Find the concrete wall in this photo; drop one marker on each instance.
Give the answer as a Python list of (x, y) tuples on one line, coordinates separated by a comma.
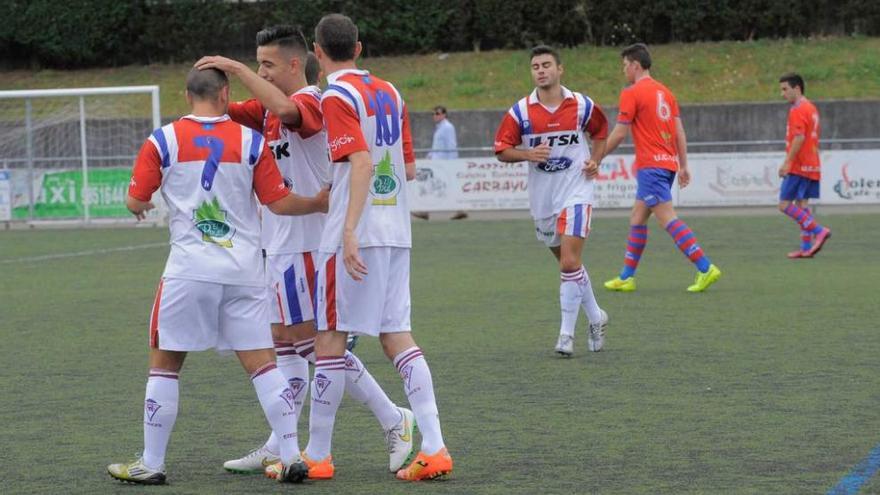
[(476, 128), (717, 122)]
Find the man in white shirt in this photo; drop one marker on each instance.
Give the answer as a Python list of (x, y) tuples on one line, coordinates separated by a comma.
[(443, 147)]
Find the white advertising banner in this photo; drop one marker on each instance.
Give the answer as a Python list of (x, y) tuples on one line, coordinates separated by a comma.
[(850, 177), (5, 195), (732, 179), (717, 179)]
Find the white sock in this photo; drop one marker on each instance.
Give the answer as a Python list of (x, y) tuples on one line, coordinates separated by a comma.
[(591, 307), (419, 390), (570, 295), (296, 370), (160, 413), (278, 405), (328, 387), (362, 387)]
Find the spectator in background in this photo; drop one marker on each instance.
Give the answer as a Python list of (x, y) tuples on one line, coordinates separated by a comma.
[(443, 147), (445, 144)]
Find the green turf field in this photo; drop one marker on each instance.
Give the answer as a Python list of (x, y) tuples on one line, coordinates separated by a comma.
[(768, 383)]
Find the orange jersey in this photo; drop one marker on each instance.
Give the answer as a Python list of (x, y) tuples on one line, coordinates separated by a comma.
[(803, 120), (651, 109)]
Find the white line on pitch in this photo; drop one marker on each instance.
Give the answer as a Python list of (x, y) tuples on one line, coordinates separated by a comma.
[(91, 252)]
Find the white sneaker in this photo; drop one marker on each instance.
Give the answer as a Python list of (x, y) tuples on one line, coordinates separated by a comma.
[(399, 440), (137, 472), (597, 333), (255, 462), (565, 345)]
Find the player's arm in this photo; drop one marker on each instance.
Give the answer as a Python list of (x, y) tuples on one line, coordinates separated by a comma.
[(597, 128), (294, 204), (409, 156), (681, 145), (797, 142), (618, 134), (359, 187), (342, 121), (271, 191), (508, 138), (145, 179), (271, 97)]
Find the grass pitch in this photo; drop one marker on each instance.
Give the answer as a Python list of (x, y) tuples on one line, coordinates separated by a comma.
[(767, 383)]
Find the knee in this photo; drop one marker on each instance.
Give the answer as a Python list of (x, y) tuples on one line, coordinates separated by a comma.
[(783, 206), (569, 263)]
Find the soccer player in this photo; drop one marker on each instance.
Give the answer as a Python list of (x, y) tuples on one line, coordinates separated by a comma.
[(363, 275), (549, 129), (801, 169), (212, 293), (287, 109), (651, 111)]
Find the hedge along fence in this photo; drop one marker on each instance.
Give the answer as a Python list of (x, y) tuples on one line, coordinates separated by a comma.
[(51, 33)]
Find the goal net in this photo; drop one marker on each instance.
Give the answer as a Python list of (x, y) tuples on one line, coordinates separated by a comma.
[(66, 154)]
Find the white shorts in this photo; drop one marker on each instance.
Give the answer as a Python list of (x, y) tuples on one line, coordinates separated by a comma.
[(189, 315), (291, 281), (571, 221), (377, 304)]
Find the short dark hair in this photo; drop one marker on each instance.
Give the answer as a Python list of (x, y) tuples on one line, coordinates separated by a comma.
[(545, 50), (337, 35), (440, 109), (794, 80), (638, 53), (206, 84), (285, 36), (313, 68)]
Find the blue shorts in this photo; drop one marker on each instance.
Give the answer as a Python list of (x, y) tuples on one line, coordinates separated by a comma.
[(654, 185), (796, 187)]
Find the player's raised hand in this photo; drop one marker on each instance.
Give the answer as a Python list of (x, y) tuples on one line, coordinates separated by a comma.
[(351, 257), (540, 153), (217, 62), (684, 177), (591, 169)]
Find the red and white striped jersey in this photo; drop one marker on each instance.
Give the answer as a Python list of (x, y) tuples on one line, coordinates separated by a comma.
[(559, 182), (208, 169), (302, 157), (365, 113)]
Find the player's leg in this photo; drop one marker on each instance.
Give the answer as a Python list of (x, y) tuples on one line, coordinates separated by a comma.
[(635, 246), (686, 241), (276, 399), (793, 196), (433, 459), (242, 311), (180, 321), (160, 413)]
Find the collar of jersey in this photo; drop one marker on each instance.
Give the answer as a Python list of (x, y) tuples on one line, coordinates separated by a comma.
[(206, 119), (336, 75), (533, 98)]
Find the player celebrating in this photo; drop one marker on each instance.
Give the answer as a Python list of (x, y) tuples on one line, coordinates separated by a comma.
[(212, 292), (651, 111), (363, 278), (801, 169), (287, 109), (549, 129)]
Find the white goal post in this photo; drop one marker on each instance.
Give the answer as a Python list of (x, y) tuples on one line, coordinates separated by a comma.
[(53, 141)]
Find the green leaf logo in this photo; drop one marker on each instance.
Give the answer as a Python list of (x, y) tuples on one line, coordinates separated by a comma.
[(210, 220)]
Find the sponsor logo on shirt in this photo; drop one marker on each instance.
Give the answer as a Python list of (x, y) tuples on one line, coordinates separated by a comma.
[(210, 220), (556, 164), (385, 184), (340, 141)]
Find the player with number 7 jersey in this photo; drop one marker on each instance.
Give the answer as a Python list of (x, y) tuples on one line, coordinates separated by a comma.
[(211, 172)]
